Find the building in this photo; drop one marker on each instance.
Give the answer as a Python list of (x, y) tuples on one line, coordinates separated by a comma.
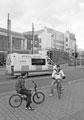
[(29, 42), (57, 39), (49, 39), (17, 39), (69, 42), (45, 39)]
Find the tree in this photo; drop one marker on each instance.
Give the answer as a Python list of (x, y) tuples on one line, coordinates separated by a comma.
[(50, 53)]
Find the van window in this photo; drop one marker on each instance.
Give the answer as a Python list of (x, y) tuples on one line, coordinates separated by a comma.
[(36, 61)]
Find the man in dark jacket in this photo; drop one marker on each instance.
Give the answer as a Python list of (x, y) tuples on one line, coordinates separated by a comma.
[(21, 89)]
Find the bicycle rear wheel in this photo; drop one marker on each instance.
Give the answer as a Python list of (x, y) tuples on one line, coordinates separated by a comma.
[(15, 100), (38, 97), (59, 90)]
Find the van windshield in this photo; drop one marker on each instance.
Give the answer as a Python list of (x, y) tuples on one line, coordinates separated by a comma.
[(36, 61)]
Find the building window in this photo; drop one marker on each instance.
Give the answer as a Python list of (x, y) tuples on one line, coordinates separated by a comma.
[(36, 42), (39, 40), (66, 44), (39, 46), (23, 44), (66, 39), (31, 42)]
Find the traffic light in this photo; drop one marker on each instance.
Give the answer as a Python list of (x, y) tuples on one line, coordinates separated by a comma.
[(75, 54)]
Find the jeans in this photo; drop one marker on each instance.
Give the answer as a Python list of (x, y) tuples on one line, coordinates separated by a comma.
[(52, 86), (28, 94)]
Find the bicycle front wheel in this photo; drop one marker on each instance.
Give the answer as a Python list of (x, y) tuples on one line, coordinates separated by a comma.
[(15, 100), (59, 90), (38, 97)]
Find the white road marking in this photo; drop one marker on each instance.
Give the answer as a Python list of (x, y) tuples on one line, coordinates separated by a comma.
[(12, 92), (27, 79), (75, 81), (48, 86)]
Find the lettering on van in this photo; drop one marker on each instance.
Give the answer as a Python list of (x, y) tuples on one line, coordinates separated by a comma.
[(23, 61), (31, 56), (8, 61)]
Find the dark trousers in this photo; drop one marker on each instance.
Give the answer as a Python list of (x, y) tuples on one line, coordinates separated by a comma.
[(28, 94)]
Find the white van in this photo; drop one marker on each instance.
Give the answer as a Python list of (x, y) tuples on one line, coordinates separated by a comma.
[(18, 63)]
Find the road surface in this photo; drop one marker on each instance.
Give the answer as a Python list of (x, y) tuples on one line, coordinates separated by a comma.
[(7, 83)]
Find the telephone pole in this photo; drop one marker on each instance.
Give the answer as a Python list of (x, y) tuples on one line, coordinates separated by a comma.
[(9, 34), (32, 38), (75, 55)]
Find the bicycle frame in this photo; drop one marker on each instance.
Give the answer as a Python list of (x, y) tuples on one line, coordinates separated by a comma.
[(35, 91), (35, 88)]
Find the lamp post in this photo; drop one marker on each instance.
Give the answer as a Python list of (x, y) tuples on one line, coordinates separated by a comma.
[(9, 34), (75, 54), (33, 38)]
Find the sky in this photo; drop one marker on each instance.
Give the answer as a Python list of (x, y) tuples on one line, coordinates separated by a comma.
[(61, 15)]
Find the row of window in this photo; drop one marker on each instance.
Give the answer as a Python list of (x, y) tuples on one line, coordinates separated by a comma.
[(39, 47), (58, 41), (36, 42)]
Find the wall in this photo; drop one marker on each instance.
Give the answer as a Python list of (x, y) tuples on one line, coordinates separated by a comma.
[(45, 39)]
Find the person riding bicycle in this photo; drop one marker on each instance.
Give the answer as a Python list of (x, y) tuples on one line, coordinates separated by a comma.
[(56, 74), (21, 89)]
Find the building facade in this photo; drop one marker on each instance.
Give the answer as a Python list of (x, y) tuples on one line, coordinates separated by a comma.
[(45, 39), (49, 39), (69, 43), (57, 41), (29, 42), (17, 41)]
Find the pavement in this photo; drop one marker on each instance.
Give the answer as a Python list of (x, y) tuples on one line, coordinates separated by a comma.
[(70, 107)]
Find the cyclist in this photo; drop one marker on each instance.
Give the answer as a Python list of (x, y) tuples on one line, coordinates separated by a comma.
[(21, 89), (57, 74)]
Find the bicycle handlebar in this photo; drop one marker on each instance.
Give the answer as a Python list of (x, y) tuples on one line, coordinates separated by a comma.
[(35, 85)]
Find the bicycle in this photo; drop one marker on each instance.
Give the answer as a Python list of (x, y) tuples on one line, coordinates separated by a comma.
[(16, 100), (59, 88)]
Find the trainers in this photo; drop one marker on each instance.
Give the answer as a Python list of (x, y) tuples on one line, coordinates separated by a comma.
[(51, 95), (29, 108)]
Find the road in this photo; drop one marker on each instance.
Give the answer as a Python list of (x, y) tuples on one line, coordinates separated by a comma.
[(7, 84)]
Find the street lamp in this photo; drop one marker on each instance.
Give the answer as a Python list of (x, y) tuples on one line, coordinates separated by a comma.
[(9, 34), (33, 38), (75, 54)]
